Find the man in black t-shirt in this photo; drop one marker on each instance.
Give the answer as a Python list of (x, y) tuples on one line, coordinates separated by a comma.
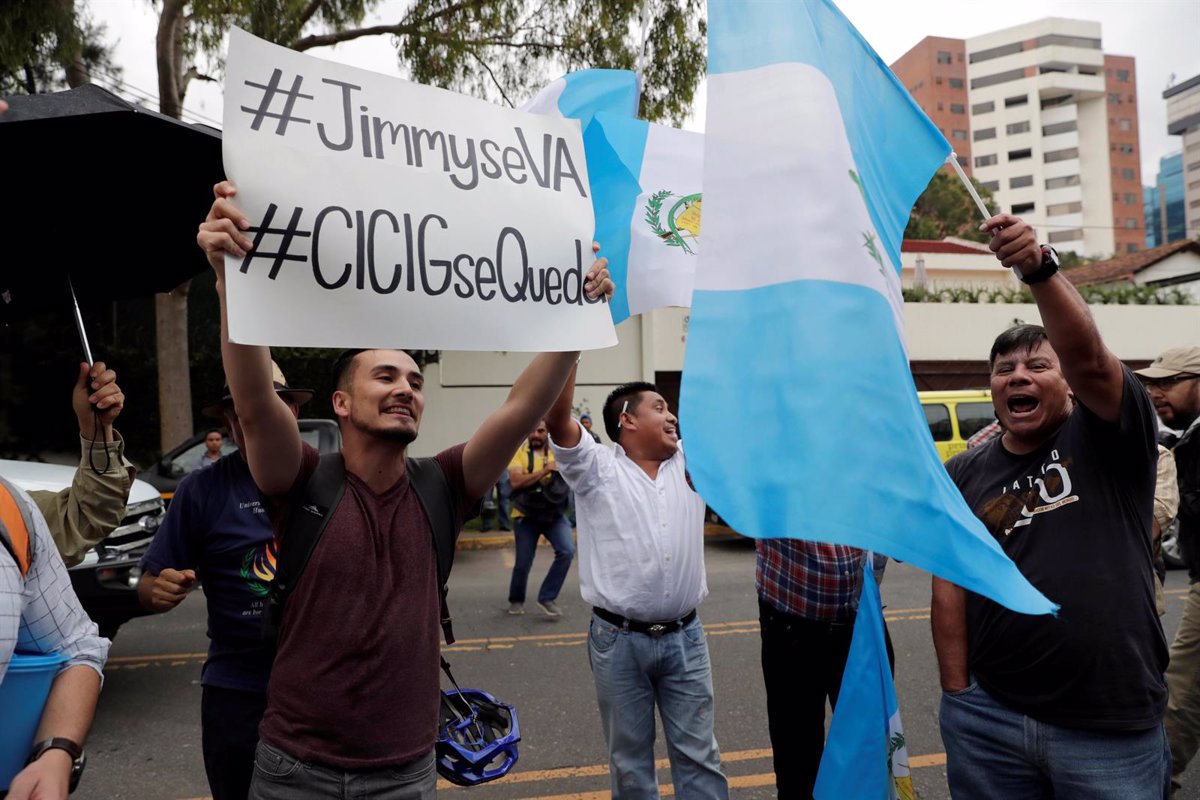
[(1068, 705)]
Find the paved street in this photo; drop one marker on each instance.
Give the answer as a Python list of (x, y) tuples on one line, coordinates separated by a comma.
[(146, 740)]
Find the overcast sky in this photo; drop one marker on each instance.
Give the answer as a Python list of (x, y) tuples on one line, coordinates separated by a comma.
[(1160, 34)]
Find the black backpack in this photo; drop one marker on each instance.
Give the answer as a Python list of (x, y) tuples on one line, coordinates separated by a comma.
[(543, 502), (309, 518)]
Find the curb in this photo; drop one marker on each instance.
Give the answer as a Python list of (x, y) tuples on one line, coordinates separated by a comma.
[(475, 540)]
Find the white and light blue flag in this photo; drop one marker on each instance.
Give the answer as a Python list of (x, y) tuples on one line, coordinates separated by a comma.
[(865, 754), (800, 410), (579, 95), (646, 195)]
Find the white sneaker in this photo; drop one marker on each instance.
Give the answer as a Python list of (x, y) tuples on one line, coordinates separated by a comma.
[(516, 609)]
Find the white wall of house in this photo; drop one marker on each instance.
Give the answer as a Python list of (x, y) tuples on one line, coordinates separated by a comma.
[(465, 387)]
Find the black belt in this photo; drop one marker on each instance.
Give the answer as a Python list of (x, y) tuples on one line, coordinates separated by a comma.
[(654, 629)]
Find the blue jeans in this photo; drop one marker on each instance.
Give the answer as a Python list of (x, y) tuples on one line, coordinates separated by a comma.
[(635, 671), (279, 776), (558, 533), (994, 751)]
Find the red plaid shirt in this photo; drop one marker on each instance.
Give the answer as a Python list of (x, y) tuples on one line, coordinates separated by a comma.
[(809, 579)]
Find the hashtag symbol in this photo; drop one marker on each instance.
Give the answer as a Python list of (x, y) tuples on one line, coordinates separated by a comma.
[(271, 89), (289, 233)]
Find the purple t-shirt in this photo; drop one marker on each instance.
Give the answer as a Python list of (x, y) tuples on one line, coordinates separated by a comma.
[(355, 683), (217, 526)]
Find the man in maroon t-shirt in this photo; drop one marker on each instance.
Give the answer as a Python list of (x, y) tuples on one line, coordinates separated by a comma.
[(353, 700)]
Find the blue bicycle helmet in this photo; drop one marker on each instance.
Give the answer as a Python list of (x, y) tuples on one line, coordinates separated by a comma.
[(477, 737)]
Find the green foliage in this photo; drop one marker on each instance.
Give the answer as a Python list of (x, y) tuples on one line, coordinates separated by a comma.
[(1100, 294), (497, 49), (40, 40), (945, 208)]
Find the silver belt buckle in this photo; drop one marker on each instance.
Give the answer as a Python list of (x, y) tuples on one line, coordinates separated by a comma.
[(656, 630)]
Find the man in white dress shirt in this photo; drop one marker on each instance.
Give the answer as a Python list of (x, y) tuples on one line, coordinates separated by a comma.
[(641, 567)]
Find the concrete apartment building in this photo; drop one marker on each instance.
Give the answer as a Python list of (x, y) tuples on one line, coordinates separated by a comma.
[(938, 71), (1183, 119), (1051, 122)]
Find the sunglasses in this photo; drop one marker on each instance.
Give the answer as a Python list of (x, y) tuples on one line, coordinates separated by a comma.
[(1167, 383)]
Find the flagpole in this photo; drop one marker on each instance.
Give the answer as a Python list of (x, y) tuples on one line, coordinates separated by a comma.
[(952, 160), (642, 51)]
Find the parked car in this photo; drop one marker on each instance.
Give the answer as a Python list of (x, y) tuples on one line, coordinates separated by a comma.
[(955, 416), (321, 434), (106, 579)]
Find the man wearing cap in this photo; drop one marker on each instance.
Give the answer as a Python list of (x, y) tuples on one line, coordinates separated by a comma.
[(1173, 381), (586, 421), (217, 531)]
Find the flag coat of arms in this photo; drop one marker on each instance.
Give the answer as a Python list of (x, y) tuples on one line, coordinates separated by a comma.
[(646, 195), (800, 410)]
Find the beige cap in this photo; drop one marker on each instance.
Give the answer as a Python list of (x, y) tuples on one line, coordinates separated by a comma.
[(1173, 362)]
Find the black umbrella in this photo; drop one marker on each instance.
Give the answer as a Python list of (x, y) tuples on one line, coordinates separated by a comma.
[(104, 199)]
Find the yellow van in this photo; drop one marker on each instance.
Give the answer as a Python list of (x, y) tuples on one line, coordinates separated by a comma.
[(955, 416)]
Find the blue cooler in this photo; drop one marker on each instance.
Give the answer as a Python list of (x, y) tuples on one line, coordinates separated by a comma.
[(23, 696)]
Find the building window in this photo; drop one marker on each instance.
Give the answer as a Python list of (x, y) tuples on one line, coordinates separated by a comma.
[(941, 107), (1017, 127), (1127, 174), (999, 77), (1126, 149), (985, 161), (944, 57), (991, 186), (956, 83), (996, 52), (1131, 248), (1130, 199), (1125, 124), (1061, 155), (1020, 182), (1067, 41), (1017, 155), (1061, 100), (1194, 166), (957, 108), (1059, 183), (1023, 208), (1131, 224), (1114, 97), (990, 133), (1019, 100), (1059, 127), (1058, 209), (962, 160), (983, 108), (1073, 235), (1122, 76), (960, 134)]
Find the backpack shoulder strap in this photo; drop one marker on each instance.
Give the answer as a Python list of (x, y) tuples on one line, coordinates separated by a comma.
[(306, 523), (433, 491), (15, 525)]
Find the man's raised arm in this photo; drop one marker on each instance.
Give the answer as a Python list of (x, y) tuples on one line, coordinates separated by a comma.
[(1092, 371), (272, 437), (564, 431), (491, 448)]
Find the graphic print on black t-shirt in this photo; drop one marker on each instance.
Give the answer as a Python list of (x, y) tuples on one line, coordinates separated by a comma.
[(1040, 493)]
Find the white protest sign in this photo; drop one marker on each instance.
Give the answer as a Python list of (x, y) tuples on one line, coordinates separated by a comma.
[(390, 214)]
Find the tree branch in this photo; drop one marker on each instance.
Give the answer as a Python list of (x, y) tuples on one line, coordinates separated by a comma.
[(492, 75), (402, 29)]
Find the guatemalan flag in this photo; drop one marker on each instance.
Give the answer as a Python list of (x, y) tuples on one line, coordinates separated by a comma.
[(646, 194), (865, 754), (579, 95), (799, 408)]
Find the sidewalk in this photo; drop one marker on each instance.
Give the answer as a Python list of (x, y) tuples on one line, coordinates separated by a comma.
[(495, 540)]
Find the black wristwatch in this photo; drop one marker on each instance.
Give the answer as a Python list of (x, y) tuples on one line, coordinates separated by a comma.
[(1048, 268), (73, 749)]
